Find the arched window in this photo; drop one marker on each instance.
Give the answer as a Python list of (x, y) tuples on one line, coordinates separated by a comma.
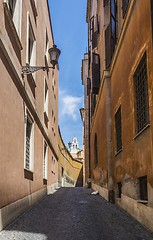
[(96, 151)]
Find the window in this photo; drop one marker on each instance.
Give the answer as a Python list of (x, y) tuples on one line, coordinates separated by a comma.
[(31, 44), (45, 160), (118, 129), (46, 98), (93, 104), (46, 46), (141, 94), (119, 189), (143, 188), (95, 73), (91, 27), (29, 143), (13, 10), (11, 4), (124, 6), (88, 86), (105, 3), (96, 151), (111, 33)]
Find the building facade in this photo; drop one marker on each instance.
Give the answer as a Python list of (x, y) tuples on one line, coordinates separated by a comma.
[(28, 107), (119, 83), (70, 170)]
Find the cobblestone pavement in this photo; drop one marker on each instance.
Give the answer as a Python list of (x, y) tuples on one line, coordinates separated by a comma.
[(74, 214)]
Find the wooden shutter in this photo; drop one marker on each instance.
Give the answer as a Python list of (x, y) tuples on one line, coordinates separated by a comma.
[(91, 27), (94, 40), (89, 57), (108, 46), (88, 86), (93, 103), (95, 73), (98, 29)]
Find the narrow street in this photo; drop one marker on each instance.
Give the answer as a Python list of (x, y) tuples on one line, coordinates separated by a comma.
[(74, 214)]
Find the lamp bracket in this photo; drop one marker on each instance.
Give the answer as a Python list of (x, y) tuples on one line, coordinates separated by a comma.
[(31, 69)]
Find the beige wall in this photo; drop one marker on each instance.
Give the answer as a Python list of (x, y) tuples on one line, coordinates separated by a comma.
[(17, 94)]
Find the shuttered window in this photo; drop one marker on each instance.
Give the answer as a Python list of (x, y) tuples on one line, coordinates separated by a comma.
[(118, 128), (91, 27), (89, 57), (93, 103), (124, 6), (94, 39), (141, 94), (95, 73), (88, 86), (111, 33)]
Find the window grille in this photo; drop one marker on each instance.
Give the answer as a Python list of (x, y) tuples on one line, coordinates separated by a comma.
[(141, 94), (28, 136), (118, 129), (143, 188)]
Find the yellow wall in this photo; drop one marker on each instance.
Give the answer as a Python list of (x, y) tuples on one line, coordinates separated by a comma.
[(72, 169)]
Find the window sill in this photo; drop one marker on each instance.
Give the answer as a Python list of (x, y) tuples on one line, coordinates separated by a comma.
[(28, 174), (137, 135), (13, 28), (118, 152), (145, 202)]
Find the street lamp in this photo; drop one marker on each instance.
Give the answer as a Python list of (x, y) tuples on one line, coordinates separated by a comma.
[(54, 53)]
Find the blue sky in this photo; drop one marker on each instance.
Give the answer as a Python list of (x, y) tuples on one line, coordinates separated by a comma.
[(70, 35)]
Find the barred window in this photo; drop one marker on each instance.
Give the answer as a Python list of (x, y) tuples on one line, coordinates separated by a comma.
[(29, 144), (118, 129), (141, 94)]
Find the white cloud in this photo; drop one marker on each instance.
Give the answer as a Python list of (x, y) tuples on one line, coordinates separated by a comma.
[(69, 105)]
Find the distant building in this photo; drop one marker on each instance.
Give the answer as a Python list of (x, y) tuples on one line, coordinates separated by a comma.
[(74, 147), (70, 170)]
